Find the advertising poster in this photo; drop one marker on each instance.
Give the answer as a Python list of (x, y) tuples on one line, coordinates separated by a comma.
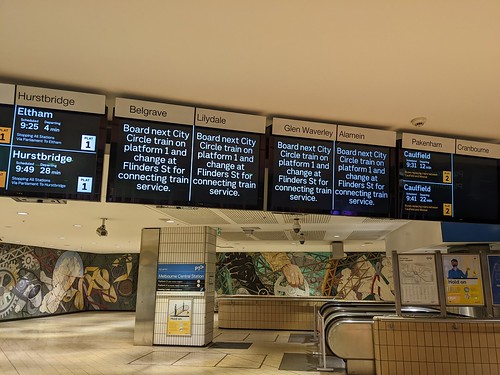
[(494, 268), (463, 280), (418, 280), (179, 317)]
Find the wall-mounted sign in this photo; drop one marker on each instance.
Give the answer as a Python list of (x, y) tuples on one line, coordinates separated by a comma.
[(181, 278), (463, 280)]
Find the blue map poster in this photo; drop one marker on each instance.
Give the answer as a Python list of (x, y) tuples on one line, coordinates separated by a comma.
[(494, 268)]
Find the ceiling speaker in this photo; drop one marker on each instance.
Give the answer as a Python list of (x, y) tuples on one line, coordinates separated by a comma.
[(337, 249)]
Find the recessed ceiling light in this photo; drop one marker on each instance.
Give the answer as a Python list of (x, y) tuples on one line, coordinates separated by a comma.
[(169, 221), (77, 225), (22, 213), (337, 236), (61, 238)]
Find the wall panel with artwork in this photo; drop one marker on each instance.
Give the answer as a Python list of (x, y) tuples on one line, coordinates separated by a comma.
[(357, 276), (36, 281)]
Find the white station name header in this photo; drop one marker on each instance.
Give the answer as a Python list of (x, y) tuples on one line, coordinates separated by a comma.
[(304, 129), (230, 120), (154, 111), (60, 99)]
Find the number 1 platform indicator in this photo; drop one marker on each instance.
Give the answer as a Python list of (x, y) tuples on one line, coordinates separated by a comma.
[(84, 185), (5, 135), (88, 142)]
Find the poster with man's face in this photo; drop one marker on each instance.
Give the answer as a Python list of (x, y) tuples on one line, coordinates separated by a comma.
[(463, 280)]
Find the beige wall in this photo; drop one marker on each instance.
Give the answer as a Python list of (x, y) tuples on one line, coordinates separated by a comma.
[(267, 313), (440, 346)]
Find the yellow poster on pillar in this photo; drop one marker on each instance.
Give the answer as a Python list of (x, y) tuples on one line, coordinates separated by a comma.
[(179, 317), (463, 280)]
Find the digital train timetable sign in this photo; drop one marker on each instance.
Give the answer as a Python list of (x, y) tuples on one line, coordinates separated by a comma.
[(51, 143), (330, 169), (448, 179), (176, 155)]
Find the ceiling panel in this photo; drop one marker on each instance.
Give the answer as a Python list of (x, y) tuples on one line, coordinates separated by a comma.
[(193, 216), (367, 235), (248, 217), (306, 218), (361, 63)]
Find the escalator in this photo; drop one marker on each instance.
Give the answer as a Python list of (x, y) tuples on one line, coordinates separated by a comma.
[(348, 330)]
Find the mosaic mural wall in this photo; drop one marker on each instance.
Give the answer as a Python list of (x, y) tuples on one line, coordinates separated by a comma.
[(36, 281), (357, 276)]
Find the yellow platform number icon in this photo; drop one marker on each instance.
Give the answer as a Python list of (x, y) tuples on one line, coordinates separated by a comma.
[(447, 209), (3, 175), (5, 135), (447, 177)]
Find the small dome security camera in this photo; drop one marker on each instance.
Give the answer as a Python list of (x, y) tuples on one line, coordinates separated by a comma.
[(296, 225), (302, 238)]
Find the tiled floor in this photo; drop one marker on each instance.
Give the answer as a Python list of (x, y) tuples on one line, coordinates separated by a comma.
[(102, 343)]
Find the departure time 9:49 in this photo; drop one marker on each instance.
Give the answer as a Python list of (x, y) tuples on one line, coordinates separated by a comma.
[(31, 169)]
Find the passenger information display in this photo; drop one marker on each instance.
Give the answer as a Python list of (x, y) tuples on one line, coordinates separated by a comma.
[(418, 279), (51, 143), (436, 183), (176, 155), (324, 168)]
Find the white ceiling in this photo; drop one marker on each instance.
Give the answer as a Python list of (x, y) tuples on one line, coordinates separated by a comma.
[(372, 63)]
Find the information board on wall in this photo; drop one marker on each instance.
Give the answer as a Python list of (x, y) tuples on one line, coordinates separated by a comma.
[(438, 184), (325, 168), (176, 155), (463, 280), (494, 270), (181, 278), (51, 143), (418, 279)]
